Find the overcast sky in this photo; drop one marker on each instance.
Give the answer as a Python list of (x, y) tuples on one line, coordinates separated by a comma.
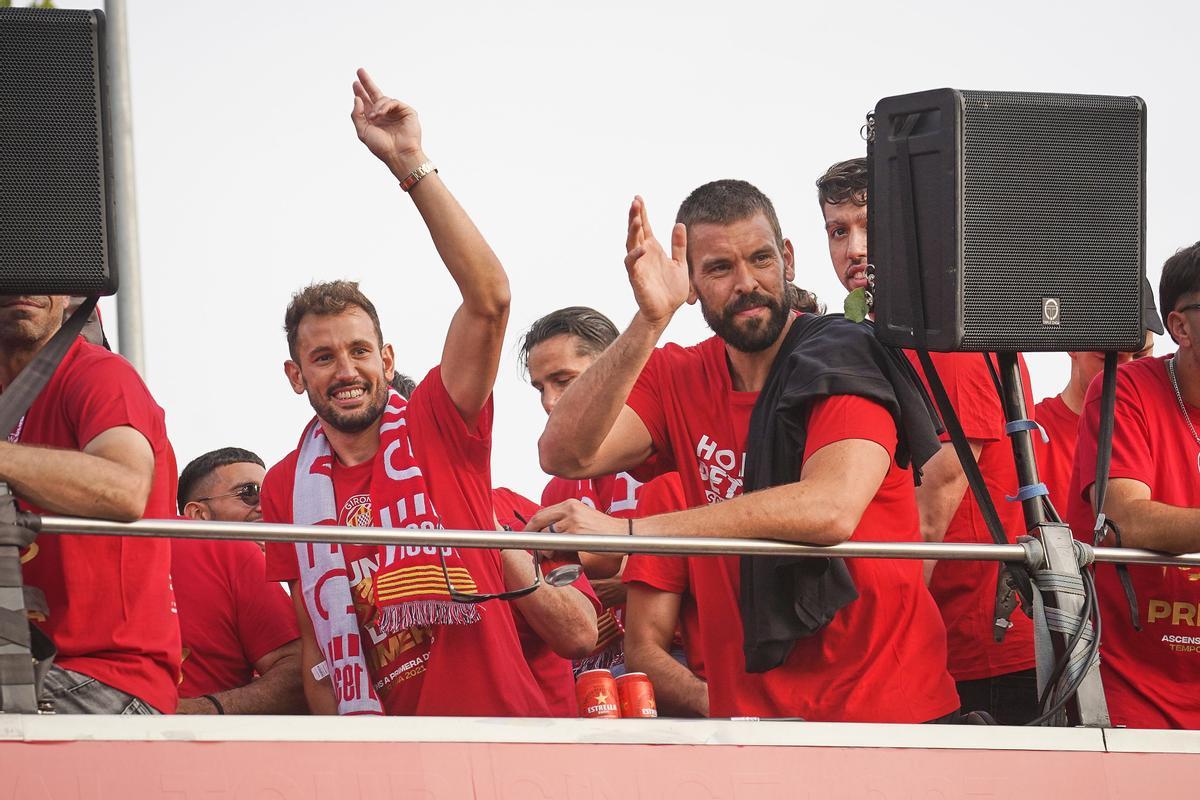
[(544, 119)]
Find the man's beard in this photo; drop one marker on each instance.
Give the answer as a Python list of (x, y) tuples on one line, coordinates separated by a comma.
[(754, 335), (350, 422)]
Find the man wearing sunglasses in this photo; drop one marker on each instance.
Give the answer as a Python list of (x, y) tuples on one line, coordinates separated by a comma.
[(234, 623), (403, 630), (1150, 664)]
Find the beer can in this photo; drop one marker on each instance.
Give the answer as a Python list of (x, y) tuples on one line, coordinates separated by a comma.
[(637, 696), (596, 693)]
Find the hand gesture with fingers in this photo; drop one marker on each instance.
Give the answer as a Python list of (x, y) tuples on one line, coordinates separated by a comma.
[(388, 127), (660, 281)]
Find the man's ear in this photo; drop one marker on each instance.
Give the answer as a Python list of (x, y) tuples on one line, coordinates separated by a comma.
[(194, 510), (295, 378), (389, 362), (789, 261), (1179, 328)]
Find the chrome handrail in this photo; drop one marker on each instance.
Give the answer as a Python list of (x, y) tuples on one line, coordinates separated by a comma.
[(604, 543)]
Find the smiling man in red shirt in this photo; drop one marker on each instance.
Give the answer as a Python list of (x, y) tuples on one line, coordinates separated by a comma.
[(1150, 672), (882, 657), (386, 624)]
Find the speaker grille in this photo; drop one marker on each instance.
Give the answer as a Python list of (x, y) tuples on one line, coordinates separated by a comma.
[(1052, 210), (53, 194)]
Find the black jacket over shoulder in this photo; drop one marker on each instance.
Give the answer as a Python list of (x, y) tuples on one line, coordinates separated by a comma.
[(785, 598)]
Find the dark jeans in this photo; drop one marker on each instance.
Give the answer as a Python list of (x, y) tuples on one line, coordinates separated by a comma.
[(1011, 698), (75, 693)]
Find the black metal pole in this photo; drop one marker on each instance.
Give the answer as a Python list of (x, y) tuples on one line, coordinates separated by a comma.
[(1013, 398)]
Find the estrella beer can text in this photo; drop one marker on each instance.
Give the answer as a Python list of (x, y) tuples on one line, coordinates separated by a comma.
[(596, 692), (637, 696)]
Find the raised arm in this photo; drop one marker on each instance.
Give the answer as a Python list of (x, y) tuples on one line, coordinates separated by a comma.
[(471, 354), (591, 431)]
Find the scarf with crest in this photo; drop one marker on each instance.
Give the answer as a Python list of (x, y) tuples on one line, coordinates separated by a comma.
[(409, 589)]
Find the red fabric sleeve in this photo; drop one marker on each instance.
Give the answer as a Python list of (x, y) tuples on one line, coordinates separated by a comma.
[(662, 495), (114, 396), (464, 447), (1131, 456), (665, 573), (281, 563), (971, 391), (840, 417), (646, 401), (265, 617)]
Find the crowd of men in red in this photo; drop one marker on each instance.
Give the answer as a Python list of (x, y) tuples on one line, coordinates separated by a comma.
[(646, 438)]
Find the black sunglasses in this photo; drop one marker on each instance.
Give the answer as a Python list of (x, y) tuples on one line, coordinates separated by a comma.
[(558, 577), (248, 493)]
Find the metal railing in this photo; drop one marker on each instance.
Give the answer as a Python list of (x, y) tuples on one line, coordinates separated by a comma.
[(603, 543)]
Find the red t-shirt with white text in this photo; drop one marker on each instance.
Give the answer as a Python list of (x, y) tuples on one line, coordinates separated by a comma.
[(882, 658), (615, 495), (446, 670), (554, 674), (230, 615), (965, 591), (1055, 457), (1150, 677), (112, 611)]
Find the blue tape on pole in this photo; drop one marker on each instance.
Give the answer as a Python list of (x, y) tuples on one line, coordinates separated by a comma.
[(1028, 493), (1018, 425)]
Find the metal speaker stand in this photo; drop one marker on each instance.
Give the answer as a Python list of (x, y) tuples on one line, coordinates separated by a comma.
[(1054, 560), (18, 693)]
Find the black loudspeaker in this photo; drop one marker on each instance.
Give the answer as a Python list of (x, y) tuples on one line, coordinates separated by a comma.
[(56, 200), (1029, 218)]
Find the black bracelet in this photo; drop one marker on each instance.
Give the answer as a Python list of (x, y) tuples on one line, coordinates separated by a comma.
[(216, 703), (630, 525)]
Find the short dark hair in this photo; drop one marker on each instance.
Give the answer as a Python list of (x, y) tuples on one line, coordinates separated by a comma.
[(326, 299), (727, 201), (592, 330), (845, 181), (200, 468), (1180, 276), (403, 384)]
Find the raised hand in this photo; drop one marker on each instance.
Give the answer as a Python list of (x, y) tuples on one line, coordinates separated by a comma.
[(389, 128), (660, 282)]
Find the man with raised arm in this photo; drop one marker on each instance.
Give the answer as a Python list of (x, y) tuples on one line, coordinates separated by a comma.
[(93, 444), (1151, 665), (393, 630), (881, 656)]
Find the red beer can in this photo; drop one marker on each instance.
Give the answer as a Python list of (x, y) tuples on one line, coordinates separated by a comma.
[(596, 693), (637, 696)]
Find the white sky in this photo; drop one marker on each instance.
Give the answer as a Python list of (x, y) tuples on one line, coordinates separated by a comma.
[(545, 118)]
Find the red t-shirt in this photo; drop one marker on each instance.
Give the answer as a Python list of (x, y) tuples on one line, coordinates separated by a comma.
[(615, 495), (230, 615), (965, 591), (1150, 677), (663, 495), (882, 658), (446, 670), (553, 673), (1054, 458), (112, 612)]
